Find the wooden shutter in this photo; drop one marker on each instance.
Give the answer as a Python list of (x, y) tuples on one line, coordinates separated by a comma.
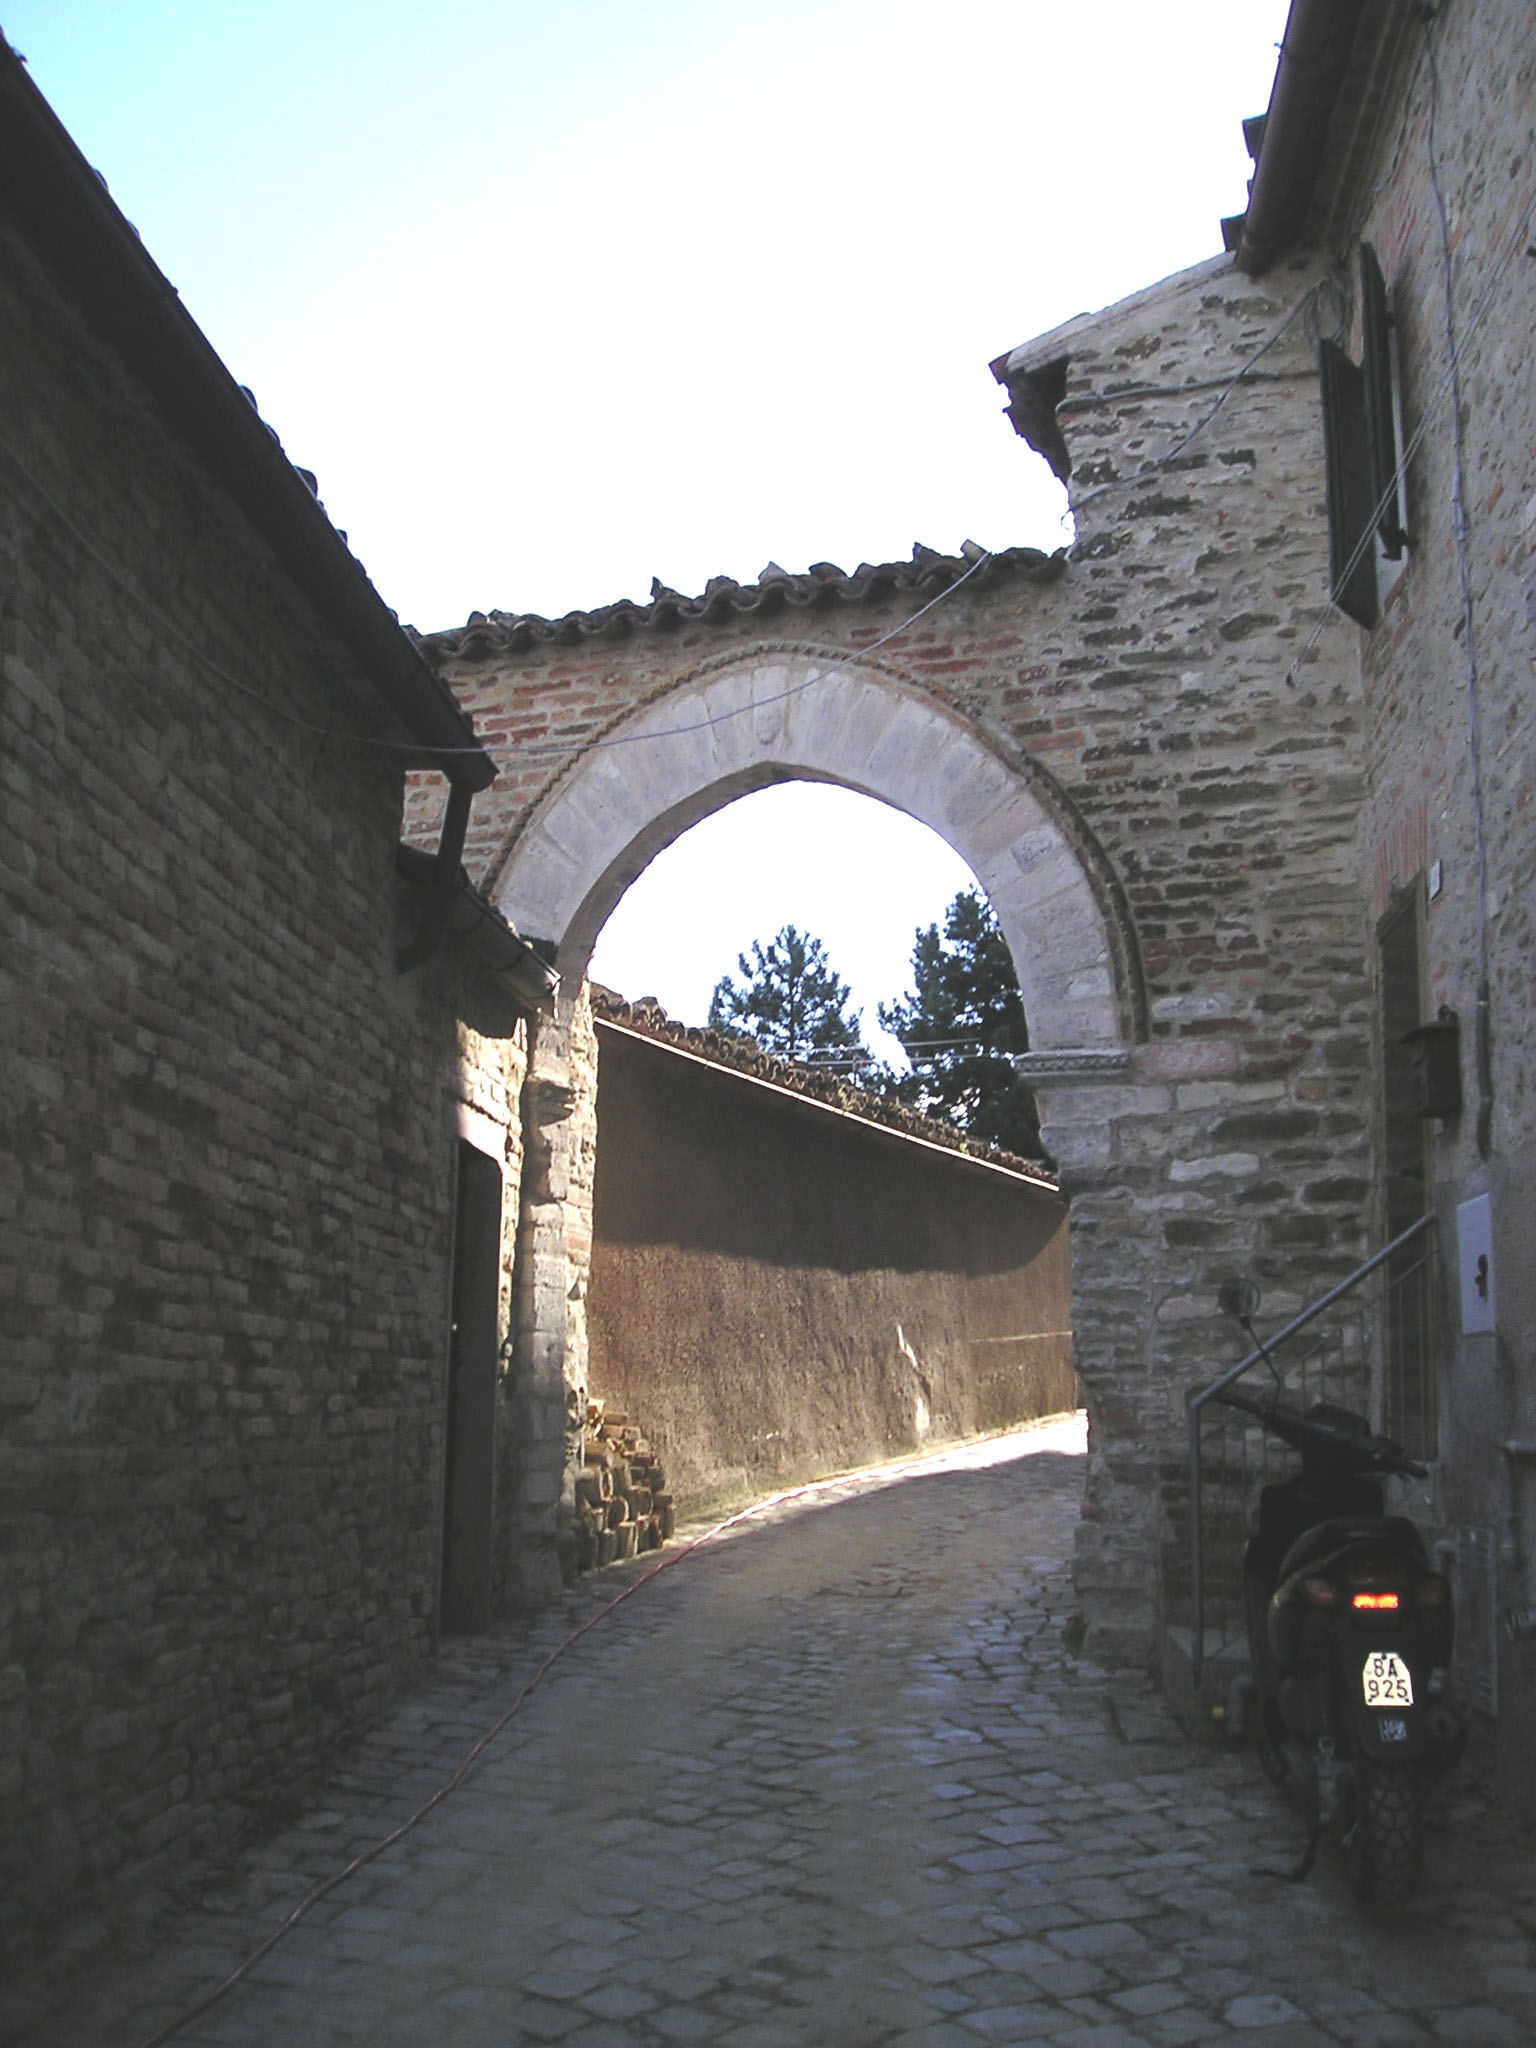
[(1381, 427), (1347, 451)]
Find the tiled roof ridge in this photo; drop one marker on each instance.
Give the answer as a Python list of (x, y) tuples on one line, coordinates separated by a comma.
[(488, 633), (744, 1055)]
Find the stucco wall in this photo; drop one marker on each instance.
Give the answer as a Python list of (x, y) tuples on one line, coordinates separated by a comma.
[(226, 1176), (779, 1290)]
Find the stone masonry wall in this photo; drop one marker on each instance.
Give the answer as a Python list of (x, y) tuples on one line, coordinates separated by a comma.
[(547, 1392), (1149, 683), (226, 1176), (1436, 669)]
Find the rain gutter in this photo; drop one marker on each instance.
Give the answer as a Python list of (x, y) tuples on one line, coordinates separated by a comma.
[(458, 910), (1314, 55)]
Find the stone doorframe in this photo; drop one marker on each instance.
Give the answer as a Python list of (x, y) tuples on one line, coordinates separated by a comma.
[(737, 723)]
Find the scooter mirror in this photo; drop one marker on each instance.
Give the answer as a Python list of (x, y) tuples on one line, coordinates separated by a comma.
[(1238, 1298)]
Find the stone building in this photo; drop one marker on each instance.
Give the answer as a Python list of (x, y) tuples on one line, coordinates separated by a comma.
[(1245, 773), (1392, 206), (254, 1057), (1166, 823), (1400, 146), (295, 1244)]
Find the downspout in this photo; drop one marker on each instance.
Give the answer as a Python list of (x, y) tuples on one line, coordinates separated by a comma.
[(443, 887)]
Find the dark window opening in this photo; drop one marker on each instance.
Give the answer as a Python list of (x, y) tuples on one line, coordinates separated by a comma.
[(1347, 452), (1360, 450), (1380, 404)]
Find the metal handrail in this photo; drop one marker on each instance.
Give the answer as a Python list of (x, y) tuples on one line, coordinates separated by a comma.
[(1197, 1397)]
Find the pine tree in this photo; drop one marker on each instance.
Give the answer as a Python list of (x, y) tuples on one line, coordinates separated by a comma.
[(962, 1019), (788, 999)]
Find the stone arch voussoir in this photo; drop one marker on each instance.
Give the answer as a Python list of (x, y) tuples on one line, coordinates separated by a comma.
[(776, 713)]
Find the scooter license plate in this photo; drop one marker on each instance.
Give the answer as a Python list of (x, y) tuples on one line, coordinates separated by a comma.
[(1386, 1680)]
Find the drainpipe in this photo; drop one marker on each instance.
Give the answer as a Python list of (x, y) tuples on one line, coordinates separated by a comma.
[(444, 885), (1517, 1451)]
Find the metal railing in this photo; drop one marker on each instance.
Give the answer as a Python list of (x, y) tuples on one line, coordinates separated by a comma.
[(1376, 1356)]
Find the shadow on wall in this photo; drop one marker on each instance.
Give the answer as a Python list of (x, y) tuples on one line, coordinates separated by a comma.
[(779, 1292)]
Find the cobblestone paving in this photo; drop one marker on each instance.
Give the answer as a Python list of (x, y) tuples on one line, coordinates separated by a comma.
[(836, 1779)]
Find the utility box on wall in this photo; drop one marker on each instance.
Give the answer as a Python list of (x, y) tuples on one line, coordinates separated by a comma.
[(1474, 1252), (1434, 1053)]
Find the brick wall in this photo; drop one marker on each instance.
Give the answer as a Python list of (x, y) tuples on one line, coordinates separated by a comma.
[(227, 1170)]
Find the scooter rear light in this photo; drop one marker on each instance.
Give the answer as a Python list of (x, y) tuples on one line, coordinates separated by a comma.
[(1376, 1603), (1317, 1592)]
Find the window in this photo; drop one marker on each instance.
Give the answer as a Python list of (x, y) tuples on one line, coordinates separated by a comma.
[(1360, 443)]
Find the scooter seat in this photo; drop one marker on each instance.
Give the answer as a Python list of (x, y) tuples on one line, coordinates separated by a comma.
[(1325, 1540)]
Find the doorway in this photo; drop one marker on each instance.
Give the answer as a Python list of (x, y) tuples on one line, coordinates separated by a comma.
[(469, 1475), (1409, 1394)]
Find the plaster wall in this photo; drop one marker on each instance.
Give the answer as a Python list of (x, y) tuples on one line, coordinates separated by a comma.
[(779, 1291)]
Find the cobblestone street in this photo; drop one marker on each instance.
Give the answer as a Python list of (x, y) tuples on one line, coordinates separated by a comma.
[(836, 1778)]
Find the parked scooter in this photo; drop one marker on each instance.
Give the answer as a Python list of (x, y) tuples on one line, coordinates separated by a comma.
[(1349, 1632)]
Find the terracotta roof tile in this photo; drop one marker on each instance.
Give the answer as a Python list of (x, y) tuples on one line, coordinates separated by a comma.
[(744, 1055), (487, 634)]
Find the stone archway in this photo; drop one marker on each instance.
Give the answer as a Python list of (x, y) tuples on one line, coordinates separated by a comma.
[(744, 721), (1151, 724), (737, 723)]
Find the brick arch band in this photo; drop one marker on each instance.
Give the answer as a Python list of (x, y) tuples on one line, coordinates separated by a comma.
[(744, 722)]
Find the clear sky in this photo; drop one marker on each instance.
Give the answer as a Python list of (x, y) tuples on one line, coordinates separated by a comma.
[(556, 297)]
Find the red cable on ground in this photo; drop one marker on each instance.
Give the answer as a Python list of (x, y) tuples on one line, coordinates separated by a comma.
[(478, 1746)]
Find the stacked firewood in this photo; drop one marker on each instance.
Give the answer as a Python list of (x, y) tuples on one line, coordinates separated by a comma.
[(622, 1506)]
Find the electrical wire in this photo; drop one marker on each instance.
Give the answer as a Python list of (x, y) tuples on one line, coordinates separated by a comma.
[(1240, 376), (482, 1742), (562, 748), (1390, 172), (418, 749), (539, 750), (1442, 390), (1468, 637), (1225, 390)]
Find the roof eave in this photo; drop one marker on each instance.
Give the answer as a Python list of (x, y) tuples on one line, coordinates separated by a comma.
[(63, 209), (1314, 56)]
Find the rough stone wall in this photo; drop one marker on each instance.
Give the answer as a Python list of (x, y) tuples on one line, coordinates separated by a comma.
[(1463, 108), (779, 1291), (1150, 685), (226, 1177), (547, 1388), (1229, 776)]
